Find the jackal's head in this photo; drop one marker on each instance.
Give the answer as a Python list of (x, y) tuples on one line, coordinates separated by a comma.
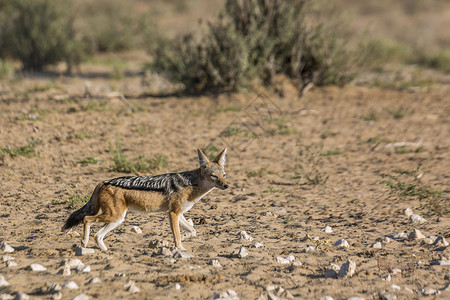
[(213, 172)]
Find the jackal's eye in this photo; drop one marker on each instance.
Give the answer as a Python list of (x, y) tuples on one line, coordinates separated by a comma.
[(214, 176), (224, 175)]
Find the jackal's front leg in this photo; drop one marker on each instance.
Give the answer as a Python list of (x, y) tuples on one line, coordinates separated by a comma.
[(175, 226), (186, 226)]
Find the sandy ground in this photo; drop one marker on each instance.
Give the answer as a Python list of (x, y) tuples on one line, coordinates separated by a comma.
[(351, 132)]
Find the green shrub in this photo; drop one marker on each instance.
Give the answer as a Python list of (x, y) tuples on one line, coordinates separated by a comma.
[(39, 33), (256, 40)]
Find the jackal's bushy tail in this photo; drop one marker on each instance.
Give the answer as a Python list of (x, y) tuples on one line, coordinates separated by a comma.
[(87, 210)]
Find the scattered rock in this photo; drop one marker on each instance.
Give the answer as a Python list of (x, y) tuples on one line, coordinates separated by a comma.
[(429, 240), (136, 229), (215, 263), (36, 268), (131, 287), (409, 290), (355, 298), (441, 262), (415, 235), (3, 281), (296, 263), (278, 211), (396, 271), (327, 229), (258, 245), (6, 258), (395, 287), (94, 280), (7, 248), (386, 240), (157, 244), (86, 269), (389, 296), (120, 275), (333, 272), (21, 296), (74, 263), (81, 251), (416, 219), (440, 241), (347, 269), (342, 243), (282, 260), (326, 298), (6, 297), (11, 264), (65, 271), (182, 254), (309, 248), (71, 285), (227, 295), (387, 277), (398, 235), (377, 245), (81, 297), (57, 296), (245, 236), (407, 212), (242, 252), (277, 293), (429, 292), (165, 251)]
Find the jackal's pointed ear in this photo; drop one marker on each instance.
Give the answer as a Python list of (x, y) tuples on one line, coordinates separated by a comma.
[(220, 159), (202, 158)]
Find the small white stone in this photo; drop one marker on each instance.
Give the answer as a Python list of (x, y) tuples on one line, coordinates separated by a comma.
[(290, 257), (215, 263), (94, 280), (440, 241), (36, 268), (81, 251), (355, 298), (71, 285), (398, 235), (3, 281), (81, 297), (282, 260), (407, 212), (415, 235), (326, 298), (136, 229), (6, 297), (11, 264), (386, 239), (387, 277), (327, 229), (377, 245), (429, 292), (416, 219), (441, 262), (296, 263), (54, 287), (74, 263), (6, 258), (21, 296), (86, 269), (258, 245), (389, 296), (347, 269), (165, 251), (342, 243), (227, 295), (309, 248), (242, 252), (177, 286), (396, 271), (66, 270), (7, 248), (245, 236), (182, 254), (395, 287), (409, 290), (429, 240)]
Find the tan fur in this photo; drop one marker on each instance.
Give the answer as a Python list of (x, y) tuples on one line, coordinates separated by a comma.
[(111, 203)]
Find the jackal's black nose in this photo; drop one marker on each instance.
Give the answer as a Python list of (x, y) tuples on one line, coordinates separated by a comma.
[(225, 186)]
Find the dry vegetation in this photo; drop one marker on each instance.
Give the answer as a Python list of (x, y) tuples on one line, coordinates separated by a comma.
[(352, 158)]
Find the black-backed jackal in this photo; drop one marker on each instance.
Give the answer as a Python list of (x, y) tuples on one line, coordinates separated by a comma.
[(174, 193)]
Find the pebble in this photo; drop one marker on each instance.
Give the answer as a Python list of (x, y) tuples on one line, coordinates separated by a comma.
[(377, 245), (386, 240), (441, 262), (245, 236), (342, 243), (398, 235), (429, 240), (395, 287), (258, 245), (429, 292), (94, 280), (177, 286), (158, 243), (282, 260), (309, 248), (86, 269), (6, 258), (328, 229), (355, 298), (330, 273), (389, 296), (57, 296), (407, 212), (21, 296), (215, 263), (278, 210), (36, 268), (74, 263), (6, 297), (3, 281), (136, 229), (415, 235), (11, 264), (81, 251), (120, 275), (71, 285), (81, 297), (326, 298), (416, 219), (131, 287), (440, 241), (165, 251), (66, 270), (242, 252), (387, 277), (7, 248), (182, 254), (396, 271), (409, 290), (227, 295), (347, 269)]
